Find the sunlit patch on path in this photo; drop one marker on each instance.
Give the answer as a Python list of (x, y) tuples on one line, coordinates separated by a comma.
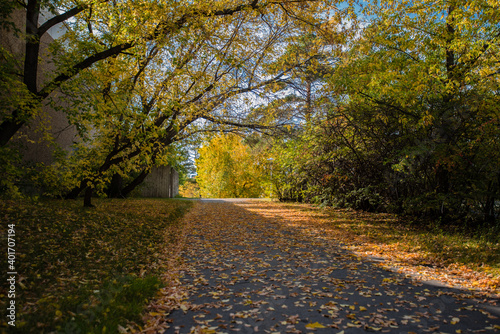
[(249, 267)]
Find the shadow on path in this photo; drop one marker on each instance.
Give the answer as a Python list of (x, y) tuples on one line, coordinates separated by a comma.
[(246, 273)]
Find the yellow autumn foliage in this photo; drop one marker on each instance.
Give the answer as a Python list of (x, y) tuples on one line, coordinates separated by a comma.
[(226, 168)]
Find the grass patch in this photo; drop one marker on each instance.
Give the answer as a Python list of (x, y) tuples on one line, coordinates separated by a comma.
[(436, 244), (88, 270)]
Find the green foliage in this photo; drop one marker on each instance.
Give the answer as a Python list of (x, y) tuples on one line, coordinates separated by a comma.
[(288, 178), (89, 269), (13, 91), (10, 160), (177, 156), (6, 9)]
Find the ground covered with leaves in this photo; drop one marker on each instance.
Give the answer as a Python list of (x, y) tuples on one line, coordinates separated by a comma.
[(257, 266), (89, 270), (243, 266)]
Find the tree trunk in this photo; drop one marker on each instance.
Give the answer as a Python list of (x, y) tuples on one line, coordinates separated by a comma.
[(87, 199), (450, 54), (10, 126), (489, 206), (76, 191), (489, 209), (442, 173), (73, 194), (442, 179), (132, 185), (32, 46), (115, 188), (308, 101), (8, 129)]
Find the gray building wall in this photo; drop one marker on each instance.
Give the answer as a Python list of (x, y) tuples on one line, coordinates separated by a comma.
[(32, 135), (162, 182)]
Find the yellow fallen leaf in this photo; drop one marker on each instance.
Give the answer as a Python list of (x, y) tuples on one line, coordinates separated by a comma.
[(154, 314), (208, 331), (351, 325), (362, 308), (315, 325), (375, 329), (455, 321)]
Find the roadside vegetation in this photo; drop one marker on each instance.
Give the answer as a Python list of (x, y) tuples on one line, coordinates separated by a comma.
[(89, 270)]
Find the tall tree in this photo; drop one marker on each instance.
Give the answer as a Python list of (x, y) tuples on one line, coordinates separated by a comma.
[(413, 119), (140, 105)]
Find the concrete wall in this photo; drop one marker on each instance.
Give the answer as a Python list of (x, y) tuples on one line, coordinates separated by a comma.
[(32, 136), (162, 182)]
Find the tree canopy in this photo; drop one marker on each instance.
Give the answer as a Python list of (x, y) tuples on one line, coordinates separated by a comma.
[(413, 112), (139, 77)]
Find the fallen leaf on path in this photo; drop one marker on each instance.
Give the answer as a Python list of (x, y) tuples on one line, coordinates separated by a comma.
[(315, 325)]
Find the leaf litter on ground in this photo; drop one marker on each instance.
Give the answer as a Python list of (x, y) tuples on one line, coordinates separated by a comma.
[(89, 270)]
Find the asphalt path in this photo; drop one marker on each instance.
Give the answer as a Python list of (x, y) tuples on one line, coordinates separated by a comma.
[(245, 273)]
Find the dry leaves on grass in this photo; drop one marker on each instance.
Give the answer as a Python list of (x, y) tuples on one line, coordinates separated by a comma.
[(173, 295), (75, 263)]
